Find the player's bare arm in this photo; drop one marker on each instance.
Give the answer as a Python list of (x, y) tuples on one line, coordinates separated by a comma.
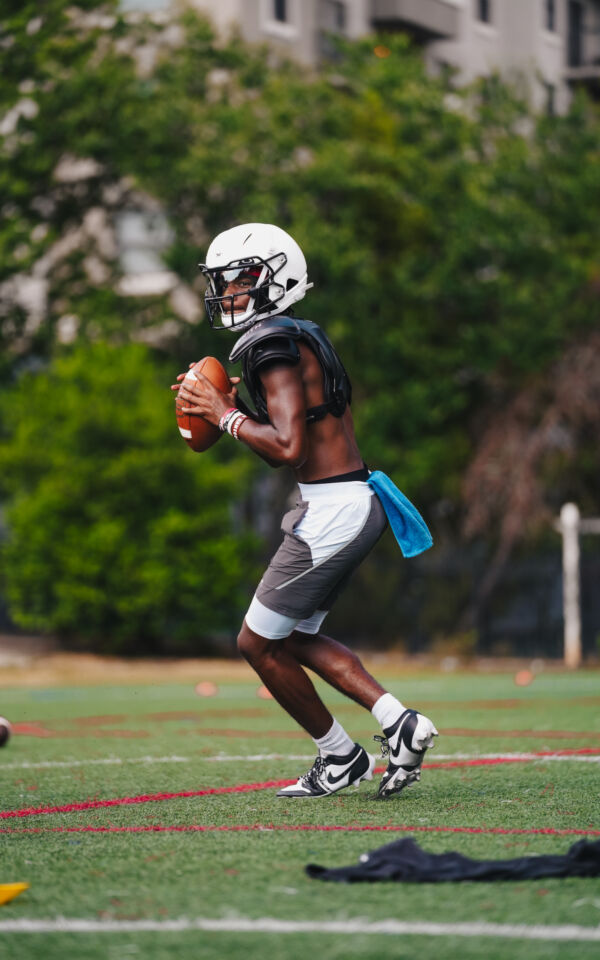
[(284, 439)]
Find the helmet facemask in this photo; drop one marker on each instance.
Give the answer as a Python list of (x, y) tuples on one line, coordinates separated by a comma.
[(264, 292)]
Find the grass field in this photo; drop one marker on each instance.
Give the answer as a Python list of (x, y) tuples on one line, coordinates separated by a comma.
[(181, 851)]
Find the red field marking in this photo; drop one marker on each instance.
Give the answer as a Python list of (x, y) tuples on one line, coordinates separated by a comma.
[(101, 721), (270, 784), (492, 761), (31, 730), (80, 730), (511, 734), (293, 828), (199, 714), (57, 728), (90, 732), (41, 729), (76, 733), (142, 798)]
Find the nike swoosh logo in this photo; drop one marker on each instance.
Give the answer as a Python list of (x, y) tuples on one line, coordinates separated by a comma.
[(347, 768), (401, 721)]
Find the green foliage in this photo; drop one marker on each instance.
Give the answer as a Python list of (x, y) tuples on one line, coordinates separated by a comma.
[(452, 237), (119, 535)]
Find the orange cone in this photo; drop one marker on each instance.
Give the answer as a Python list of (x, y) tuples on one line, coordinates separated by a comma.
[(523, 678), (8, 891)]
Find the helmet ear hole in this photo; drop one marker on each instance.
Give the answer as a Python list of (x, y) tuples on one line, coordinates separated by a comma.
[(291, 283)]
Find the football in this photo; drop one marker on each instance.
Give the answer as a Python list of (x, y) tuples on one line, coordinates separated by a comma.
[(5, 731), (197, 432)]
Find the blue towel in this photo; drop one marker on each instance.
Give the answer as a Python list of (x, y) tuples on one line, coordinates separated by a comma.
[(408, 525)]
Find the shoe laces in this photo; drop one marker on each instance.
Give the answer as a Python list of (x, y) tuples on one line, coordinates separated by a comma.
[(311, 777), (384, 744)]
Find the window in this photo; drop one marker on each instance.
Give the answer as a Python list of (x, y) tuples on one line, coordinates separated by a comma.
[(143, 238), (280, 11), (332, 15), (484, 10), (575, 34), (280, 18), (339, 14), (331, 21), (550, 15), (550, 99)]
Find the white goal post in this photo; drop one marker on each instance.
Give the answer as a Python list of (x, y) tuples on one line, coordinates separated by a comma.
[(571, 525)]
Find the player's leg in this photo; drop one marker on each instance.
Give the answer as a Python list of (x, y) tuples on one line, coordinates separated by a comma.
[(407, 734), (337, 665), (283, 676), (318, 554), (340, 762)]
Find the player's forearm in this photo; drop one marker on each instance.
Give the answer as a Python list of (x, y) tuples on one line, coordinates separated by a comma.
[(276, 447)]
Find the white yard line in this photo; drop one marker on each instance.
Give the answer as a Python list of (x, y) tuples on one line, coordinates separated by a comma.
[(53, 764), (272, 925), (261, 757), (431, 757)]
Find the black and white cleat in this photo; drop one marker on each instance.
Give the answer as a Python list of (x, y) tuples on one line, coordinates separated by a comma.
[(330, 774), (406, 743)]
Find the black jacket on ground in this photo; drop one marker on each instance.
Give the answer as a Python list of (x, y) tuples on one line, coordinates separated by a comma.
[(405, 862)]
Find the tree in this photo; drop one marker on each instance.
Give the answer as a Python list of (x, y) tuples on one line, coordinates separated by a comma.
[(119, 536), (452, 235)]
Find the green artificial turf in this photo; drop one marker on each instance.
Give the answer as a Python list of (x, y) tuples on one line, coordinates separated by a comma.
[(260, 873)]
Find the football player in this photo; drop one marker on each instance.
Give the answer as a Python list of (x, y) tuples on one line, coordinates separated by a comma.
[(302, 419)]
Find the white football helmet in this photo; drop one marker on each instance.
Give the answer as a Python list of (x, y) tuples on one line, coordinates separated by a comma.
[(255, 260)]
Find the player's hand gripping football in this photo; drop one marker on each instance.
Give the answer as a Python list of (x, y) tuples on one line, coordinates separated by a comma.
[(203, 399)]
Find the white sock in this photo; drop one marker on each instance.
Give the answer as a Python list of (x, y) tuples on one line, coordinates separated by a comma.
[(387, 710), (335, 741)]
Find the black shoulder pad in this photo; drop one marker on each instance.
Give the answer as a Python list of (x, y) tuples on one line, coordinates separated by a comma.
[(275, 339), (272, 349), (263, 330)]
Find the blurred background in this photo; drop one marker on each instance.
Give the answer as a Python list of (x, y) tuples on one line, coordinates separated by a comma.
[(439, 163)]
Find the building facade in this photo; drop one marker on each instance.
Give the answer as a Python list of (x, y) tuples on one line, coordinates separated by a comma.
[(548, 46)]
